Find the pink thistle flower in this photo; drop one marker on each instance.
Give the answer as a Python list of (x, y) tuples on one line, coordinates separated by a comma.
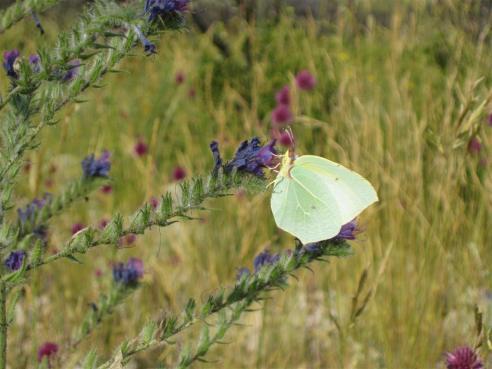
[(305, 80), (283, 96), (463, 358), (282, 115), (48, 350)]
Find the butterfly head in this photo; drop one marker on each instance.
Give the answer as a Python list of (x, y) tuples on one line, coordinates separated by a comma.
[(287, 164)]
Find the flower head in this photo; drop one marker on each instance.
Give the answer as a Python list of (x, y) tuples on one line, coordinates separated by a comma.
[(141, 148), (282, 115), (93, 167), (179, 173), (15, 260), (474, 145), (265, 258), (73, 70), (128, 274), (28, 214), (148, 46), (48, 350), (160, 8), (77, 227), (242, 272), (348, 231), (35, 62), (283, 96), (305, 80), (463, 358), (9, 58), (250, 157)]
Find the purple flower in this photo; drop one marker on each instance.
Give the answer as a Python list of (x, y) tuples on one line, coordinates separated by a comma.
[(283, 96), (250, 157), (474, 145), (179, 173), (15, 260), (282, 115), (148, 46), (141, 148), (214, 147), (9, 58), (305, 80), (93, 167), (159, 8), (35, 62), (348, 231), (77, 227), (28, 214), (73, 70), (128, 274), (265, 258), (47, 349), (286, 139), (242, 272), (463, 358)]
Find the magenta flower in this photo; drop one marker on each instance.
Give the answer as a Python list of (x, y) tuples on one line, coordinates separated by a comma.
[(154, 202), (283, 96), (180, 78), (141, 148), (282, 115), (474, 145), (286, 139), (107, 189), (305, 80), (48, 350), (179, 173), (77, 227), (463, 358)]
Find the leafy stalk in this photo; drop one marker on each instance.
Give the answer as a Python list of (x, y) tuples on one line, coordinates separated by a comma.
[(21, 9)]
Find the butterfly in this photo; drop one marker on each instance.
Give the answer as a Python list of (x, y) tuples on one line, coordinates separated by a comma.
[(314, 197)]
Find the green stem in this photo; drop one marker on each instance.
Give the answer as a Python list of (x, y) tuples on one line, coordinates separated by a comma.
[(3, 326)]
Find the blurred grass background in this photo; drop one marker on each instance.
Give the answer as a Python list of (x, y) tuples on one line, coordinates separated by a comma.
[(401, 88)]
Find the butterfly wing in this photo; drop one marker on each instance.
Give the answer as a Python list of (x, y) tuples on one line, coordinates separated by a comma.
[(302, 206), (352, 193)]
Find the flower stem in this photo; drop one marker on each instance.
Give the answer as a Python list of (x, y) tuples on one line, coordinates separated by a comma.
[(3, 325)]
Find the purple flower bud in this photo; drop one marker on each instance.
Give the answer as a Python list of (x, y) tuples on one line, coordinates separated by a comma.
[(250, 157), (93, 167), (9, 58), (348, 231), (242, 272), (283, 96), (282, 115), (179, 78), (179, 173), (106, 189), (102, 223), (154, 202), (128, 274), (148, 46), (77, 227), (305, 80), (463, 358), (286, 139), (474, 145), (15, 260), (28, 215), (35, 62), (265, 258), (73, 70), (141, 148), (48, 350)]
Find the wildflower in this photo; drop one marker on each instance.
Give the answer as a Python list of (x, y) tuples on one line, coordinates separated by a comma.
[(463, 358), (35, 62), (73, 70), (265, 258), (28, 214), (305, 80), (15, 260), (37, 22), (179, 173), (282, 115), (348, 231), (283, 96), (250, 157), (102, 223), (9, 58), (77, 227), (474, 145), (148, 46), (286, 139), (242, 272), (107, 189), (154, 202), (48, 350), (93, 167), (214, 147), (141, 148), (128, 274), (180, 78), (159, 8)]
